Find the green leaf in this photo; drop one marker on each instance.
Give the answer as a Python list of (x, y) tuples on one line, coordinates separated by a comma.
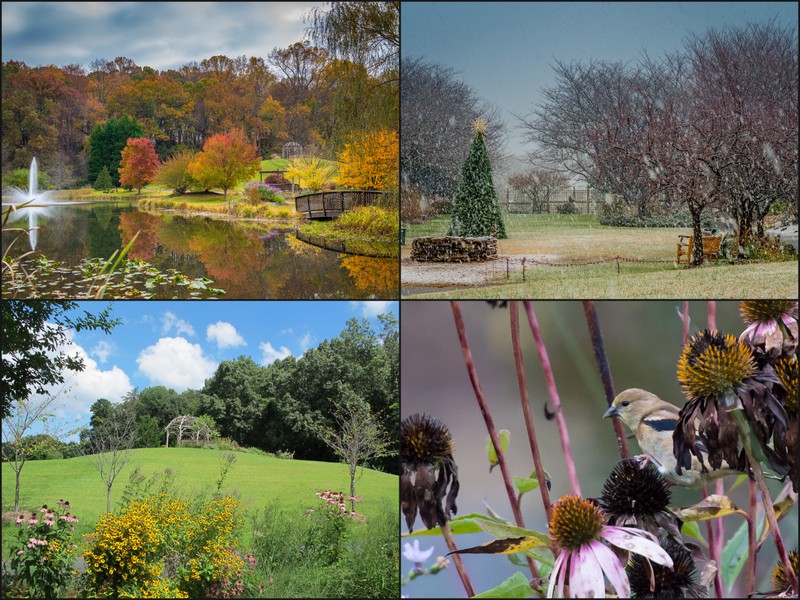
[(463, 524), (526, 484), (505, 530), (692, 529), (504, 436), (516, 586), (734, 554)]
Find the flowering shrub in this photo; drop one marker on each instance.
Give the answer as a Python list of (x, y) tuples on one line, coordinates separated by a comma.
[(165, 547), (256, 191), (42, 555), (328, 526)]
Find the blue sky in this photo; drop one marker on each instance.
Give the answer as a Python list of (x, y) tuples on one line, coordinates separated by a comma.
[(179, 344), (161, 35), (504, 50)]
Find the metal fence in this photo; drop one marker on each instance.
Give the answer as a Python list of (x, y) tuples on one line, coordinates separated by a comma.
[(573, 200)]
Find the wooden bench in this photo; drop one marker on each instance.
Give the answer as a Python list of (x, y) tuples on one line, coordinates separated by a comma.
[(711, 248)]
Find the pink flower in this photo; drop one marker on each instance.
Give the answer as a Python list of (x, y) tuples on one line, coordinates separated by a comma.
[(579, 530)]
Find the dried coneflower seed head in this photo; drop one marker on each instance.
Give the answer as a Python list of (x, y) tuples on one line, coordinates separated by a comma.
[(575, 522), (779, 579), (633, 491), (787, 372), (713, 363), (764, 310), (424, 440), (676, 583)]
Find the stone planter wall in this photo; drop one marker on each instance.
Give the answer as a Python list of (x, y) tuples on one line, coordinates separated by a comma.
[(453, 249)]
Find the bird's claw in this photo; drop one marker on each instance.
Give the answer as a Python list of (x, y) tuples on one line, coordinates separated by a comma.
[(643, 460)]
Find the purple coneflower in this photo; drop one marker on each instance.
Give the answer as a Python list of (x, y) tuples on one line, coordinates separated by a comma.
[(577, 529)]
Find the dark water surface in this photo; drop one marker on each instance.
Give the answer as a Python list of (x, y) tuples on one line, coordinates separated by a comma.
[(247, 260)]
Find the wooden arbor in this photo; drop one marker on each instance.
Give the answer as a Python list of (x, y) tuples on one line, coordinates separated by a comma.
[(188, 426)]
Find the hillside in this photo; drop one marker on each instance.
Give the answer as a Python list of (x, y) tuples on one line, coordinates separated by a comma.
[(257, 479)]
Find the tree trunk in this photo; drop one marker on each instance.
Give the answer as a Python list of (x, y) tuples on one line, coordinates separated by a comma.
[(108, 499), (16, 491), (697, 232), (352, 487)]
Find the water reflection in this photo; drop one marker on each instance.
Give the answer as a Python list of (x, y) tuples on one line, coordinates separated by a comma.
[(247, 260)]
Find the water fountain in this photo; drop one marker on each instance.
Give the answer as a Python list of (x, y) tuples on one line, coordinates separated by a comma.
[(31, 203)]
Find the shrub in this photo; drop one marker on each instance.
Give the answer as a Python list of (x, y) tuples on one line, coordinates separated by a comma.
[(163, 543), (256, 192), (370, 220), (103, 182), (329, 523), (19, 178), (568, 208), (42, 555)]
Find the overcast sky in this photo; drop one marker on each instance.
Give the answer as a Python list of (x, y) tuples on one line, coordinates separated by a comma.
[(504, 50), (161, 35)]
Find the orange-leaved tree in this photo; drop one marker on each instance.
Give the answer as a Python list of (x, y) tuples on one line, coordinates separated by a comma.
[(139, 163), (226, 160), (370, 161)]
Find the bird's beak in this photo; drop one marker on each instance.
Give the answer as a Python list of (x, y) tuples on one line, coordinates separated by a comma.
[(611, 412)]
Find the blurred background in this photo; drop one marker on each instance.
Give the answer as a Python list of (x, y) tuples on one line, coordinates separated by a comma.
[(643, 342)]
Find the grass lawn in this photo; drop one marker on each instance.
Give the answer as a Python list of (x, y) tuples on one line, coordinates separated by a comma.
[(275, 164), (258, 480), (579, 238)]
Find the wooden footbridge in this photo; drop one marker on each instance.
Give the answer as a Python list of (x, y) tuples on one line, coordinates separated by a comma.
[(329, 205)]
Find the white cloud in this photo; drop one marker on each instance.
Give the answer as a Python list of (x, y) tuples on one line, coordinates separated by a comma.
[(225, 335), (271, 354), (371, 308), (176, 363), (82, 388), (170, 321), (102, 350), (306, 342)]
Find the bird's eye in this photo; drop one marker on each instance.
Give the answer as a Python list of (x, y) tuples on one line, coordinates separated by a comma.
[(625, 403)]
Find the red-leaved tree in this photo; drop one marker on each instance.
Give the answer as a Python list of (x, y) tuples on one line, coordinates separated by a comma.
[(226, 159), (139, 163)]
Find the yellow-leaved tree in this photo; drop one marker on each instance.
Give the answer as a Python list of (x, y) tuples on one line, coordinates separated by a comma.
[(311, 173), (370, 161)]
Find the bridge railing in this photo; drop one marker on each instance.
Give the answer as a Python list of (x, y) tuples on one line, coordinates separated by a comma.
[(321, 205)]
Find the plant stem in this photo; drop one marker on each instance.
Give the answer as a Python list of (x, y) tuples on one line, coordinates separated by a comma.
[(526, 409), (719, 484), (685, 321), (712, 551), (462, 572), (605, 371), (750, 576), (551, 387), (744, 434), (487, 417)]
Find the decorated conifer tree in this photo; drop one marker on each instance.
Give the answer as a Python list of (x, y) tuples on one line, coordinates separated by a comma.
[(476, 212)]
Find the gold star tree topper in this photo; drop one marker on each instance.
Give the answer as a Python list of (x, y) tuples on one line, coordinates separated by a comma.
[(480, 125)]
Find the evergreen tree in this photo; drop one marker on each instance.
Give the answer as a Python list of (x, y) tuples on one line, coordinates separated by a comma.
[(476, 211), (106, 144), (103, 182)]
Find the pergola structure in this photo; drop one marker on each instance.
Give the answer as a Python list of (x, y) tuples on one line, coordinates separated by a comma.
[(190, 427), (291, 150)]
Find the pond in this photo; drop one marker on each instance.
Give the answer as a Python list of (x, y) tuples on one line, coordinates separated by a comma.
[(248, 260)]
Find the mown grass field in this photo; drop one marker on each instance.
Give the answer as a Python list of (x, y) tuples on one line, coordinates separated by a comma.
[(578, 238), (258, 480)]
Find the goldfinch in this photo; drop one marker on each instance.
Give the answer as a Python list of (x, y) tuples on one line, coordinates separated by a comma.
[(652, 421)]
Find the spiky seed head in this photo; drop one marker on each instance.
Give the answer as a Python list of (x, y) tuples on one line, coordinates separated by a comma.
[(714, 363), (787, 371), (679, 582), (779, 579), (632, 491), (764, 310), (575, 522), (424, 440)]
